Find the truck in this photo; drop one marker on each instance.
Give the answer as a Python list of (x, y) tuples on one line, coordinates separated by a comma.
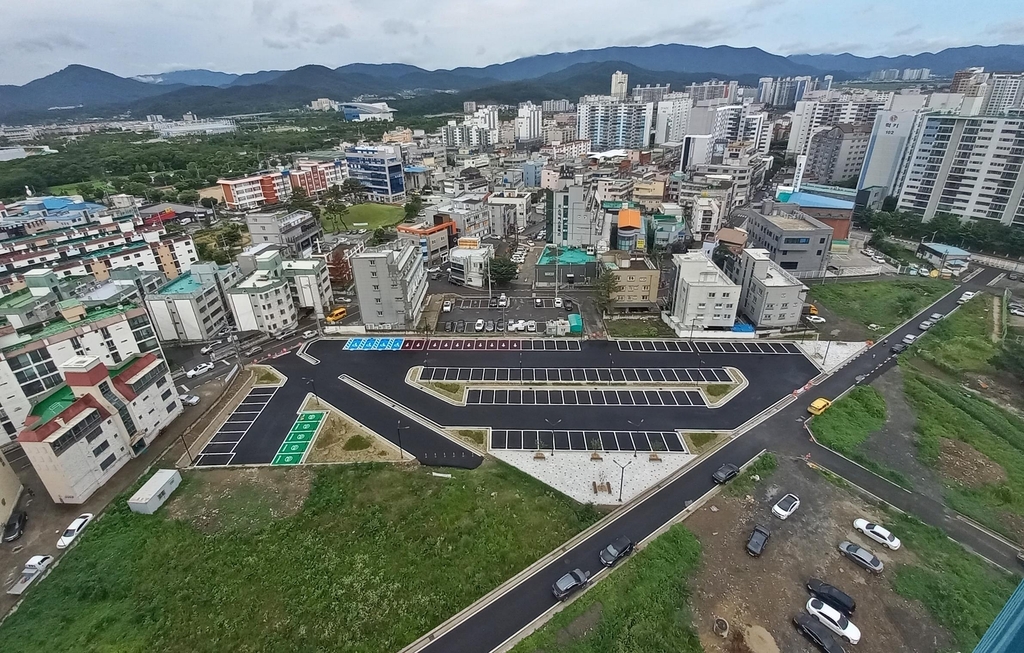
[(810, 309), (34, 569)]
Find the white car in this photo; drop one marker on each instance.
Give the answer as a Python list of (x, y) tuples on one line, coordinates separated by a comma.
[(815, 319), (436, 268), (877, 533), (833, 620), (511, 326), (521, 325), (309, 333), (208, 348), (479, 326), (935, 317), (966, 297), (924, 326), (558, 302), (446, 307), (786, 506), (189, 400), (201, 368), (878, 259), (74, 530), (538, 302), (909, 339), (531, 326), (503, 301)]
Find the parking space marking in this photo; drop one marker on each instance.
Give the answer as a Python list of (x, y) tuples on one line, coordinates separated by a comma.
[(709, 346), (640, 441), (234, 429)]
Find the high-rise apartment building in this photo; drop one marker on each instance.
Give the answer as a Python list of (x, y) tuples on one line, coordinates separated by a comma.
[(1004, 92), (609, 123), (620, 85), (556, 106), (673, 115), (529, 122), (713, 90), (650, 93), (813, 115), (837, 154)]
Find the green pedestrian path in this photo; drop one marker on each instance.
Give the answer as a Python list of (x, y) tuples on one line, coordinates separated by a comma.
[(301, 435)]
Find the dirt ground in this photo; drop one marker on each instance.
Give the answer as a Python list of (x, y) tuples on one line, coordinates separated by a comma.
[(965, 464), (760, 596), (840, 328), (342, 440)]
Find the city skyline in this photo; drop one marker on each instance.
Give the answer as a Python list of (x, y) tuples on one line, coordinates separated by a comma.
[(242, 36)]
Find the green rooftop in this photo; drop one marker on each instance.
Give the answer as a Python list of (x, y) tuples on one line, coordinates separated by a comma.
[(59, 326), (618, 205), (184, 284), (566, 256), (16, 300), (53, 405)]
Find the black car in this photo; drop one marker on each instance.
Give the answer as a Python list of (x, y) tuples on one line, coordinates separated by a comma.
[(15, 526), (898, 348), (832, 595), (569, 584), (816, 631), (493, 303), (758, 540), (1014, 277), (500, 325), (449, 326), (725, 473), (567, 304), (618, 549), (460, 326)]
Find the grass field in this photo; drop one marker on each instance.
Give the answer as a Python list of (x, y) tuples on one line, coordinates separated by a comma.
[(368, 216), (371, 559), (642, 606), (957, 588), (886, 303), (961, 342), (650, 327)]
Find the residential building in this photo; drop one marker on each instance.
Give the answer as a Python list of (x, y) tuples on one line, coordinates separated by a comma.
[(566, 150), (967, 166), (638, 280), (397, 135), (529, 121), (263, 300), (797, 242), (668, 228), (738, 163), (10, 488), (887, 145), (255, 190), (433, 240), (471, 214), (829, 110), (556, 106), (620, 85), (649, 193), (310, 284), (712, 90), (518, 201), (672, 118), (82, 433), (703, 297), (1005, 92), (379, 170), (470, 263), (531, 173), (193, 307), (468, 107), (298, 232), (706, 215), (391, 284), (650, 93), (770, 297), (837, 154), (575, 222), (608, 122)]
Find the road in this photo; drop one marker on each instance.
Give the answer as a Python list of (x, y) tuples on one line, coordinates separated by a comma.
[(784, 433)]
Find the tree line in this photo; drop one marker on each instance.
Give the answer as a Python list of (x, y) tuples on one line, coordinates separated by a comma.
[(984, 236)]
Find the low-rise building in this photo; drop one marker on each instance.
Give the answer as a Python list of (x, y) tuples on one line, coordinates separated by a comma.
[(298, 232), (249, 192), (310, 284), (519, 200), (79, 435), (471, 214), (637, 278), (10, 489), (193, 307), (263, 300), (433, 240), (704, 297), (797, 242), (770, 297), (391, 285), (470, 263)]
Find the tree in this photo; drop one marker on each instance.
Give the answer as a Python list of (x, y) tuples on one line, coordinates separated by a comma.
[(353, 189), (503, 271), (208, 202), (188, 196), (335, 211), (413, 207), (301, 201), (382, 235), (232, 235), (889, 203), (605, 287)]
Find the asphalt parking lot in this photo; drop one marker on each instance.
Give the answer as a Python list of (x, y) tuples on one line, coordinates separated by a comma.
[(471, 309), (221, 449)]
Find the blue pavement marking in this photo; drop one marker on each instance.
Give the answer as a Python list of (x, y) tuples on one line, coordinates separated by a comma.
[(396, 343)]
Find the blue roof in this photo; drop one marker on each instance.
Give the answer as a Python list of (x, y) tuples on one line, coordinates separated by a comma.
[(946, 250), (415, 169), (813, 201)]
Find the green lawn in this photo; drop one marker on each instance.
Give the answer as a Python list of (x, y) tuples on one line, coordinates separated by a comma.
[(957, 588), (886, 303), (945, 411), (961, 342), (649, 327), (642, 606), (374, 558), (368, 216)]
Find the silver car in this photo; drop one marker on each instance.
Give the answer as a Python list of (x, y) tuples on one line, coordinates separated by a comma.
[(861, 556)]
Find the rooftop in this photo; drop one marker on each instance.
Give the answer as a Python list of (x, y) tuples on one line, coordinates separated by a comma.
[(630, 218), (302, 264), (183, 285), (566, 256), (17, 300), (793, 221), (53, 405), (946, 250), (59, 326), (813, 201)]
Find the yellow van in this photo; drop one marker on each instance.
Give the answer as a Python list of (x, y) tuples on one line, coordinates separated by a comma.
[(337, 315)]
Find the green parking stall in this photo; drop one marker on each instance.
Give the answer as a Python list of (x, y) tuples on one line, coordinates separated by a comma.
[(300, 436)]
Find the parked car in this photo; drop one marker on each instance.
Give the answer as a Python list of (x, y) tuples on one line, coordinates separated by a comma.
[(819, 406), (819, 635), (15, 526), (833, 620), (492, 302), (725, 473), (569, 584), (898, 348), (252, 351), (499, 325), (1013, 277), (511, 326), (502, 300), (861, 556), (877, 533), (966, 297), (436, 268), (832, 595), (309, 333), (190, 400), (531, 326), (489, 327), (74, 529), (567, 303), (201, 368), (924, 326), (909, 339), (446, 307), (521, 325), (479, 325), (284, 335), (449, 326), (786, 506), (210, 347), (558, 302), (758, 540), (935, 317), (815, 319), (460, 326), (538, 302), (618, 549)]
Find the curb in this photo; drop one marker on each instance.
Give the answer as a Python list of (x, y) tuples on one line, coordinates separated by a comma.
[(852, 462)]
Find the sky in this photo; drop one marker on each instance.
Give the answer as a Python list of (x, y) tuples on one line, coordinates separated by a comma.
[(134, 37)]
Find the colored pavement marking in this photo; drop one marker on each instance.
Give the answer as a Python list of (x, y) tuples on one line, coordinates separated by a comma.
[(300, 436)]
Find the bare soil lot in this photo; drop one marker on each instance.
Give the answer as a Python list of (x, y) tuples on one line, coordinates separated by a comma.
[(760, 596)]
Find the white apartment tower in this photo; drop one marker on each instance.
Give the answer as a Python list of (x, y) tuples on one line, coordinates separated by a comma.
[(609, 123), (620, 85), (813, 115), (529, 122)]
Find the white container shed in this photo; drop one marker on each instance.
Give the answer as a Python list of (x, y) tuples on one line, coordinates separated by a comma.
[(155, 492)]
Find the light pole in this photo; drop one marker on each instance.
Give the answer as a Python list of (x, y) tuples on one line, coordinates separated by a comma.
[(637, 425), (398, 430), (622, 475), (188, 454), (551, 425), (312, 383)]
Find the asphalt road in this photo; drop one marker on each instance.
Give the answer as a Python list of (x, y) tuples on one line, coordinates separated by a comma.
[(783, 433)]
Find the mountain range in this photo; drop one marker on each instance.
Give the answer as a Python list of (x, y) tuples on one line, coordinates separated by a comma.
[(81, 91)]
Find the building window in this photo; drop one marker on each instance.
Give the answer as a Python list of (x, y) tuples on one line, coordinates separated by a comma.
[(818, 252), (166, 395), (100, 449), (108, 462), (171, 406)]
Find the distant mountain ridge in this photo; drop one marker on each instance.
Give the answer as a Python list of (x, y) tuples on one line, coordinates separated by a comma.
[(562, 74)]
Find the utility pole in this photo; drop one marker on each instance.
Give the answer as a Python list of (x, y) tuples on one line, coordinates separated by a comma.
[(552, 425), (398, 430), (622, 475)]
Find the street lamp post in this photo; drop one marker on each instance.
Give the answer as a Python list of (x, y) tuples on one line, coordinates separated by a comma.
[(312, 383), (552, 425), (398, 431), (637, 425), (188, 454), (622, 475)]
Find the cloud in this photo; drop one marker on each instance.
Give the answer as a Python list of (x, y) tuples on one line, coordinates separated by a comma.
[(1012, 31), (763, 5), (332, 33), (396, 26), (700, 31), (47, 44), (907, 31)]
